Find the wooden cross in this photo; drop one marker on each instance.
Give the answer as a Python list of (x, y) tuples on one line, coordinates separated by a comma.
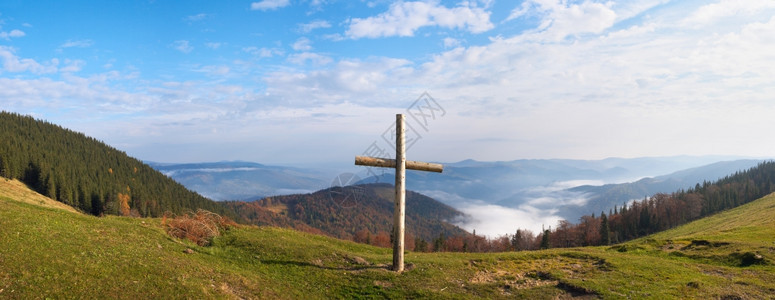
[(401, 164)]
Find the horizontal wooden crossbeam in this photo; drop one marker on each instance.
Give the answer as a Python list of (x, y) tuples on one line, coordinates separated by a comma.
[(391, 163)]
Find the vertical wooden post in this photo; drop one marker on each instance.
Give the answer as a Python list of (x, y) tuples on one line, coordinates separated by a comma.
[(400, 164), (398, 213)]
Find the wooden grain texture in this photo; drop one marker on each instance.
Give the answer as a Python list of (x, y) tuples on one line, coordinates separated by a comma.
[(391, 163), (399, 214), (400, 164)]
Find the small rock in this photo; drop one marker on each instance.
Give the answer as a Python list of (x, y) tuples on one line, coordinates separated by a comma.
[(188, 251)]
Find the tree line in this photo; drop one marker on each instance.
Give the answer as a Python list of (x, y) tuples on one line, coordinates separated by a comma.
[(87, 174), (628, 221)]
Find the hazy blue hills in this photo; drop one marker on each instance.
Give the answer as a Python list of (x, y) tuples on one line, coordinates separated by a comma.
[(602, 198), (237, 180), (568, 188)]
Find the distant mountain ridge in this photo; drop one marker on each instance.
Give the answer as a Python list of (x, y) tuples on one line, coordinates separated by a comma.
[(604, 197), (531, 184), (343, 211), (239, 180)]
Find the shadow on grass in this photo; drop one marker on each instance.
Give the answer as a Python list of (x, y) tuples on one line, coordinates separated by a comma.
[(324, 267)]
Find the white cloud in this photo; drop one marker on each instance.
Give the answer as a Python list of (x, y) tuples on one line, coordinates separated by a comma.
[(494, 220), (262, 52), (574, 97), (308, 27), (215, 70), (269, 4), (560, 19), (347, 81), (77, 44), (182, 46), (302, 44), (519, 11), (404, 18), (14, 64), (72, 66), (195, 18), (644, 87), (726, 8), (451, 42), (16, 33), (304, 57), (213, 46)]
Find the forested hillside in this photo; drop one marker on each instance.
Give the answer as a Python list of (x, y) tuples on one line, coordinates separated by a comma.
[(363, 213), (663, 211), (87, 174)]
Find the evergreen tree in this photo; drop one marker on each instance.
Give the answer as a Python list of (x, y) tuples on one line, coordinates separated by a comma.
[(545, 239), (515, 241), (605, 232), (85, 173), (438, 243)]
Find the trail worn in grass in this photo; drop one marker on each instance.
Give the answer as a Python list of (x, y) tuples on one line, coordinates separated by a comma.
[(54, 253)]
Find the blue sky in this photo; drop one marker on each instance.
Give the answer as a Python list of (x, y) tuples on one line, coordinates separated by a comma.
[(295, 82)]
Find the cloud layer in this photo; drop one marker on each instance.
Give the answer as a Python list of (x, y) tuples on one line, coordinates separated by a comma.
[(405, 18), (578, 79)]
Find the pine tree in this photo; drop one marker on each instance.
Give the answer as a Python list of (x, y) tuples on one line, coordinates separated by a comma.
[(515, 240), (605, 232), (545, 240), (438, 243)]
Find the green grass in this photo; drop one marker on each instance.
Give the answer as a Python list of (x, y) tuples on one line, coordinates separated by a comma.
[(53, 253)]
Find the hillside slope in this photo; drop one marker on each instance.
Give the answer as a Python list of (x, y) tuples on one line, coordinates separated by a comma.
[(341, 212), (604, 197), (53, 253), (87, 174), (14, 189)]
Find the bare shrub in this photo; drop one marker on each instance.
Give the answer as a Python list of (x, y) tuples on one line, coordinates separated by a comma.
[(200, 227)]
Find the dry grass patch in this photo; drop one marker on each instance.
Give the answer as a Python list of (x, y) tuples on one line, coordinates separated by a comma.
[(200, 227)]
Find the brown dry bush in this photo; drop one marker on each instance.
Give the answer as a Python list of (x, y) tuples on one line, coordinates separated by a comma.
[(200, 227)]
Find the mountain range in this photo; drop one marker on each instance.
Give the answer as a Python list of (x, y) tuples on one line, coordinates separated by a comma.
[(343, 211), (562, 187)]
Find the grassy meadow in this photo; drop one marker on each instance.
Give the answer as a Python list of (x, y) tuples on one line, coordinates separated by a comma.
[(48, 251)]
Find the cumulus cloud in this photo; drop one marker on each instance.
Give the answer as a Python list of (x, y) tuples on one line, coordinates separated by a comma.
[(726, 8), (344, 81), (404, 18), (560, 19), (15, 64), (182, 46), (451, 42), (77, 44), (573, 86), (196, 18), (269, 4), (302, 44), (308, 27), (72, 66), (262, 52), (16, 33), (304, 57), (215, 70)]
